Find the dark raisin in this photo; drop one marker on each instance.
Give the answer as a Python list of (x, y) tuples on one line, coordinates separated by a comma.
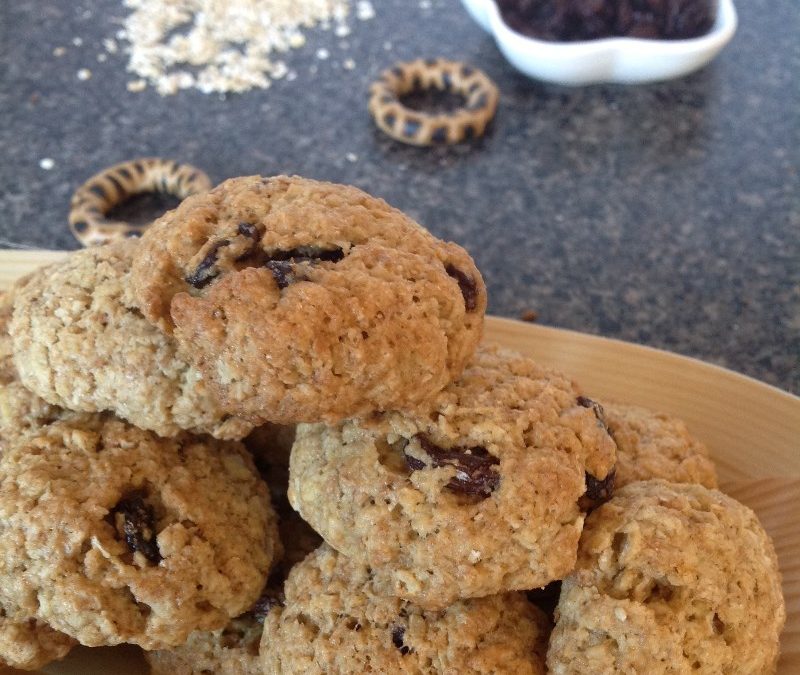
[(270, 597), (81, 226), (281, 263), (475, 472), (568, 20), (466, 285), (599, 491), (282, 272), (398, 633), (248, 230), (599, 413), (206, 271), (134, 520)]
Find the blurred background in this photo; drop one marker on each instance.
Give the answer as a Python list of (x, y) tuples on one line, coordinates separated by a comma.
[(665, 214)]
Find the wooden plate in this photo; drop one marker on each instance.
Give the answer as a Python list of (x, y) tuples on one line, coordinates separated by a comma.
[(753, 431)]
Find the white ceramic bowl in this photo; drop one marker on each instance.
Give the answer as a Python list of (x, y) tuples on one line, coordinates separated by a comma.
[(625, 60)]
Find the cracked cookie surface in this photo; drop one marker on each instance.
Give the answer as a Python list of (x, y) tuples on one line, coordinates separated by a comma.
[(654, 445), (234, 650), (305, 301), (80, 343), (479, 493), (27, 643), (111, 534), (335, 622), (671, 578)]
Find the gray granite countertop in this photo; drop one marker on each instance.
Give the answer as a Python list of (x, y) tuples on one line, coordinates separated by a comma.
[(665, 214)]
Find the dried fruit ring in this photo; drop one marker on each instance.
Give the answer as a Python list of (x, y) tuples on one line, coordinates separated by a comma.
[(420, 128), (105, 190)]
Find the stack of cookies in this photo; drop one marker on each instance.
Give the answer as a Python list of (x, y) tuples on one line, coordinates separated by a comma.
[(267, 438)]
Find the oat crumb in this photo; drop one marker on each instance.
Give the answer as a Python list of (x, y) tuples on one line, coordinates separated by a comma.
[(84, 74), (136, 86), (474, 556), (351, 157), (46, 163), (59, 51)]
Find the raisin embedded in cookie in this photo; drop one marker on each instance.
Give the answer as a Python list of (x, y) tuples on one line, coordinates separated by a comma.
[(234, 649), (112, 534), (671, 578), (478, 494), (306, 301), (654, 445), (335, 622), (80, 343)]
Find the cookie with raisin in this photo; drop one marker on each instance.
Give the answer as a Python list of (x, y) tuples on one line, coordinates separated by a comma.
[(81, 343), (234, 649), (302, 301), (112, 534), (670, 578), (479, 493), (335, 621)]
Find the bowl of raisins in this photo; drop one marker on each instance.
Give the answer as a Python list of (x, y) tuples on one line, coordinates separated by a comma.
[(577, 42)]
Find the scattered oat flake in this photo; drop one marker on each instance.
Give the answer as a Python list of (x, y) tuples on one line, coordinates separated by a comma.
[(225, 45), (77, 41), (46, 163), (84, 74), (136, 86), (351, 157), (110, 45), (620, 613), (364, 10), (348, 64), (101, 58), (59, 51)]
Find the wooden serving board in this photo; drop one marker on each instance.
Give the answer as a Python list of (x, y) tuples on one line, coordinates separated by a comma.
[(752, 429)]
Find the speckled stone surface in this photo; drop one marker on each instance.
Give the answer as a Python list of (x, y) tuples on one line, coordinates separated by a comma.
[(666, 214)]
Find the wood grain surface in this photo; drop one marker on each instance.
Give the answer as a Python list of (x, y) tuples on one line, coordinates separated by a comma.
[(752, 429)]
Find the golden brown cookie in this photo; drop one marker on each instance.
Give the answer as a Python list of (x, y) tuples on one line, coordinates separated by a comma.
[(234, 650), (80, 343), (671, 578), (302, 300), (334, 622), (20, 409), (655, 445), (112, 534), (478, 494)]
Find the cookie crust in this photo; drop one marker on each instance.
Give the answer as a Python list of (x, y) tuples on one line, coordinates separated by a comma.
[(655, 445), (81, 343), (504, 515), (305, 301), (111, 534), (671, 578), (334, 622)]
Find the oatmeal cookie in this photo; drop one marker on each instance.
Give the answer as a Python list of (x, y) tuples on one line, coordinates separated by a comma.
[(234, 650), (112, 534), (654, 445), (309, 301), (335, 622), (671, 578), (20, 409), (80, 343), (29, 644), (476, 495)]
